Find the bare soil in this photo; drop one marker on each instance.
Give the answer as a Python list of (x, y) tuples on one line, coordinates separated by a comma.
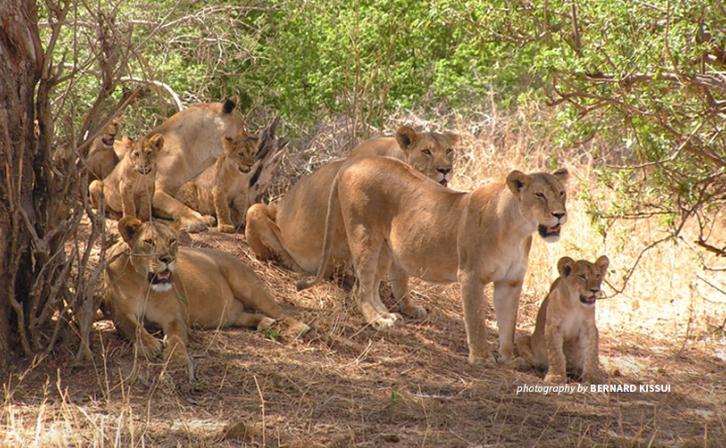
[(345, 384)]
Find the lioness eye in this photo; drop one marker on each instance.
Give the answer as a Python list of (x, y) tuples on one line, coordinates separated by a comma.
[(562, 193), (582, 277), (540, 195), (427, 152), (449, 151), (149, 242)]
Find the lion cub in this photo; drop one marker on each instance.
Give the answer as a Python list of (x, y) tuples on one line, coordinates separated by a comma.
[(565, 335), (223, 188), (102, 158), (129, 189)]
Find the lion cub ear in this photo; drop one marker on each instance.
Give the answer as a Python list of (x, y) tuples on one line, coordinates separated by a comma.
[(565, 266), (129, 227), (405, 136), (602, 263), (156, 142), (562, 175), (517, 181)]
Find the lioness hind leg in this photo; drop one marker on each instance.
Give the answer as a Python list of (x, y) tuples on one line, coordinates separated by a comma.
[(399, 285), (263, 236), (95, 193), (365, 250)]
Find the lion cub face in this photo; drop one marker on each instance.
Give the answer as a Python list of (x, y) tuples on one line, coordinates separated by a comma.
[(241, 150), (583, 279), (143, 153), (542, 199), (430, 153), (108, 136), (153, 250)]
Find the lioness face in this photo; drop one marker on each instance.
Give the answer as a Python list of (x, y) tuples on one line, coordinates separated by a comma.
[(241, 150), (153, 250), (542, 199), (583, 278), (109, 133), (143, 153), (430, 153)]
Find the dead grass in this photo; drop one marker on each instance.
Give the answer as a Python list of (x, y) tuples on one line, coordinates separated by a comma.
[(347, 385)]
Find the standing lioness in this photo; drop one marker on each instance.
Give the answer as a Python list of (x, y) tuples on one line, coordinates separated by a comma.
[(393, 214), (565, 336), (292, 230)]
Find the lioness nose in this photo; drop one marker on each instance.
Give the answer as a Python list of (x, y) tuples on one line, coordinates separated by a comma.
[(594, 290), (166, 258), (444, 171), (558, 215)]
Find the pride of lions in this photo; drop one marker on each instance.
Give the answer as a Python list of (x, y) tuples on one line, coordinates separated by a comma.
[(386, 210)]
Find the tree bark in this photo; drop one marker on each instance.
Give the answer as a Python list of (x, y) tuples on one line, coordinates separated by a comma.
[(21, 58)]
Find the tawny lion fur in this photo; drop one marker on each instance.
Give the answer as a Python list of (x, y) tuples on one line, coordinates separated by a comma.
[(292, 230), (565, 336), (222, 189), (149, 278)]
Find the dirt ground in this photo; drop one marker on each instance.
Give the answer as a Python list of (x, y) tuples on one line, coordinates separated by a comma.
[(345, 385)]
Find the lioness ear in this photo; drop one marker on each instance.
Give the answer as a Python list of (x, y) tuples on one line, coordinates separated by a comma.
[(602, 263), (562, 175), (516, 181), (452, 138), (128, 227), (156, 141), (565, 266), (405, 136), (230, 103)]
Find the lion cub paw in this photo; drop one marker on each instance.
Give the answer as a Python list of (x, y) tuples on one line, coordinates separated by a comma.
[(226, 228), (554, 378)]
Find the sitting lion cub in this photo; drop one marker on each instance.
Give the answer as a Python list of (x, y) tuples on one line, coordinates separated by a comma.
[(101, 156), (224, 184), (129, 188), (565, 335), (148, 278)]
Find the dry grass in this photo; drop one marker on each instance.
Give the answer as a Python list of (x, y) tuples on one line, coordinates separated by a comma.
[(347, 385)]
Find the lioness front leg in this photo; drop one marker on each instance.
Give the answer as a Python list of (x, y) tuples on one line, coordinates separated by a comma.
[(591, 372), (556, 362), (506, 305), (472, 294), (221, 208), (128, 324), (168, 207), (175, 332)]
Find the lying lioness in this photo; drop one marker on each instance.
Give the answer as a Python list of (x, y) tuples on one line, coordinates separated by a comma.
[(440, 235), (223, 188), (565, 335), (149, 278), (292, 230)]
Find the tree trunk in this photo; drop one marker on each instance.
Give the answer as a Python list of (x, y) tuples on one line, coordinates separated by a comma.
[(21, 58)]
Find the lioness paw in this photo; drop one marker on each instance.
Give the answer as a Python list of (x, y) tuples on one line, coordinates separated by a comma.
[(226, 228), (193, 225), (414, 311), (594, 377), (485, 360), (265, 323), (149, 346), (209, 219), (385, 322)]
